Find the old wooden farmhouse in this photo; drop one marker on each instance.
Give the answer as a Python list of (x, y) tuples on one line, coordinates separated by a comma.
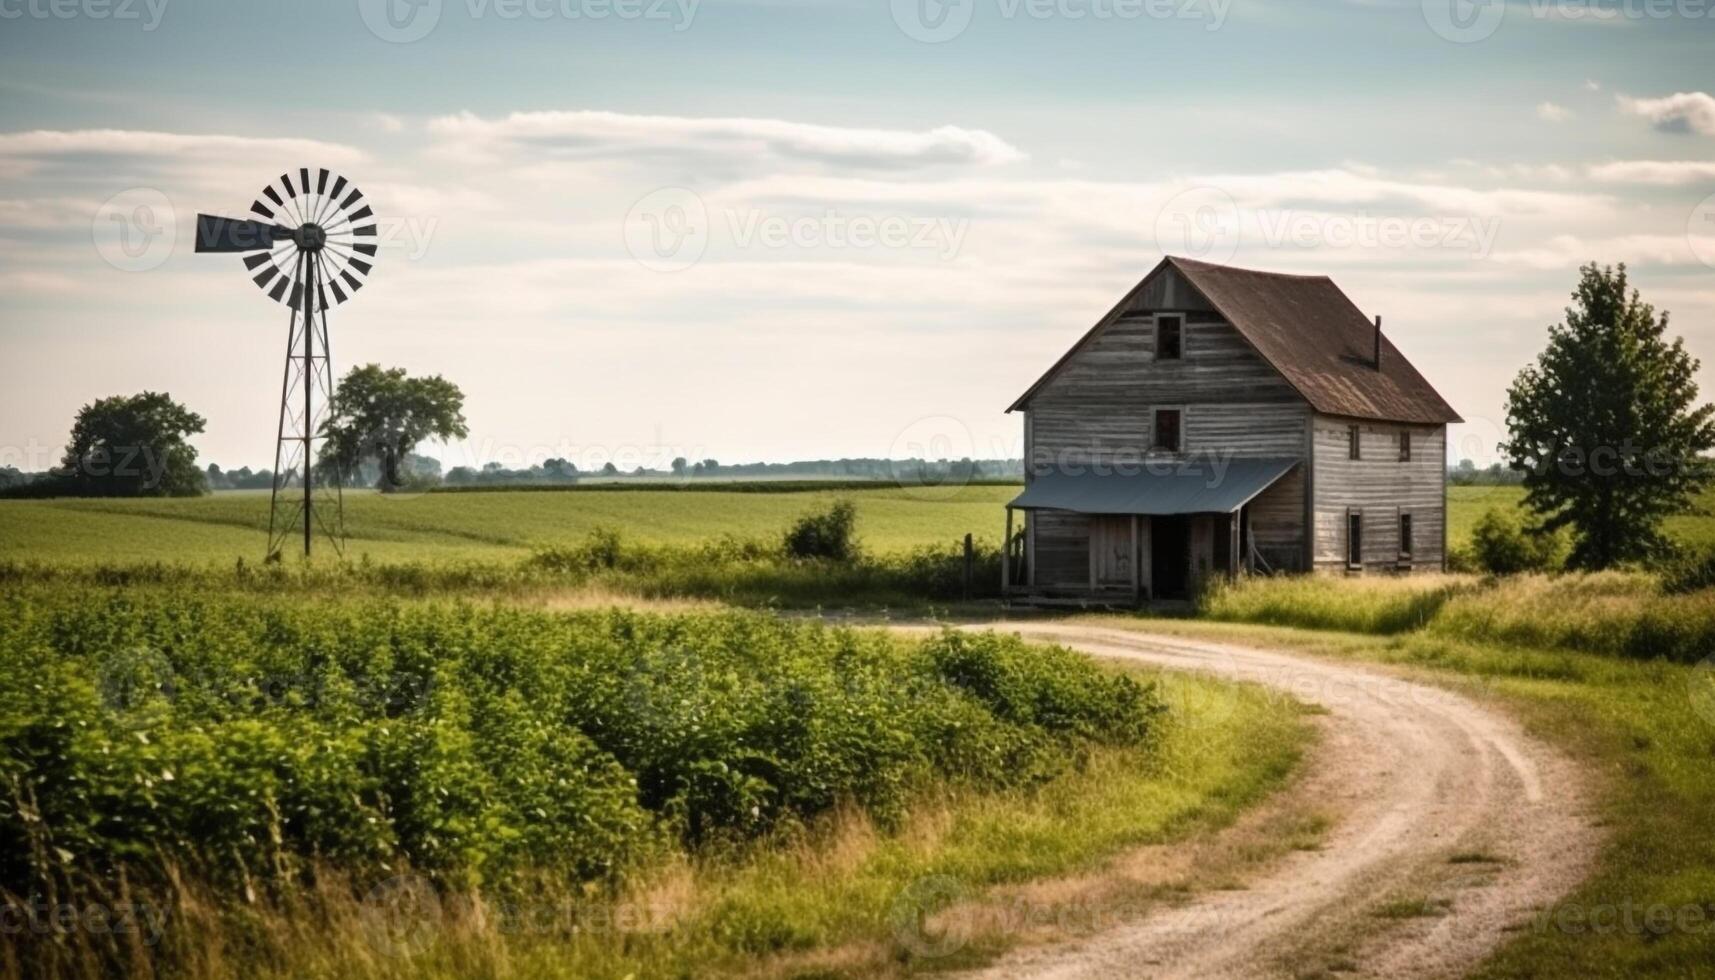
[(1220, 420)]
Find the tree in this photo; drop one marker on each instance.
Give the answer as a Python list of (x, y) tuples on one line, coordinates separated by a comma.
[(132, 446), (381, 414), (679, 465), (1605, 425)]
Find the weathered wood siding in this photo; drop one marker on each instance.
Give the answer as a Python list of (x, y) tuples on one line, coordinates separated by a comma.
[(1382, 488), (1277, 522), (1097, 409), (1062, 548)]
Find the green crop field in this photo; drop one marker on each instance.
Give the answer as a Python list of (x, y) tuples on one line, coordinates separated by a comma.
[(1466, 504), (492, 525), (500, 525)]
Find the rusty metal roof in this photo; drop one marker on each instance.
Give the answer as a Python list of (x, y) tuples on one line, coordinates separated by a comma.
[(1312, 334)]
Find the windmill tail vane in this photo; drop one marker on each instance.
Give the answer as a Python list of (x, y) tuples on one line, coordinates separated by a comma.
[(304, 240)]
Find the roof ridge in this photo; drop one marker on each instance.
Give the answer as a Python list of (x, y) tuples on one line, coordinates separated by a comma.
[(1178, 259)]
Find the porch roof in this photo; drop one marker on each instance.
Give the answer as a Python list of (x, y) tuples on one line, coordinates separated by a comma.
[(1200, 486)]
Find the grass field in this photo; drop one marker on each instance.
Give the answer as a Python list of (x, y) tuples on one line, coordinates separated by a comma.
[(1466, 504), (224, 526), (500, 525)]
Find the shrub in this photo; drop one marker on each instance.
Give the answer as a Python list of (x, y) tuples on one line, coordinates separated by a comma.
[(829, 534), (1690, 571), (1501, 545)]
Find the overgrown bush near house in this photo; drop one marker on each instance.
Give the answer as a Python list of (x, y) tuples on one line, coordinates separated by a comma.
[(1502, 545), (829, 534)]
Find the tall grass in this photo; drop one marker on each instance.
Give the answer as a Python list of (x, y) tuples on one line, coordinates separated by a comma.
[(1625, 614), (747, 572)]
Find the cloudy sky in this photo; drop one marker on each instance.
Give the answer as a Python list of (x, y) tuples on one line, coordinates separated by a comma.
[(770, 230)]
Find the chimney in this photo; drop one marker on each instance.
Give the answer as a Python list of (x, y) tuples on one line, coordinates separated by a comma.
[(1378, 357)]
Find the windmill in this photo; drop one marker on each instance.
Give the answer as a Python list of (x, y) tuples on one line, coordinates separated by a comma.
[(302, 240)]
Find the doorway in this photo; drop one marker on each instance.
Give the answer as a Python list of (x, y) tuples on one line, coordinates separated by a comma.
[(1110, 552), (1169, 556)]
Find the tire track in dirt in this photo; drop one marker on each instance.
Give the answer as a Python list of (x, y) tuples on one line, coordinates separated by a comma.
[(1416, 775)]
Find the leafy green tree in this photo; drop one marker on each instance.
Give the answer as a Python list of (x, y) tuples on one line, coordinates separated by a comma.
[(381, 414), (1606, 425), (133, 446)]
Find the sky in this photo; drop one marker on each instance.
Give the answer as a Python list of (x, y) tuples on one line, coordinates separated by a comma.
[(750, 230)]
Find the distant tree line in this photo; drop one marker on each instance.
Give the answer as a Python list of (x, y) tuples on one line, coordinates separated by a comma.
[(1466, 474)]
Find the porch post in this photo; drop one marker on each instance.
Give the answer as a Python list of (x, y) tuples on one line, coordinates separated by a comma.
[(1233, 545), (1006, 556), (1136, 562)]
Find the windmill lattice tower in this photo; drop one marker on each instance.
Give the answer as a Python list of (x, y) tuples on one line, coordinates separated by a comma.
[(307, 239)]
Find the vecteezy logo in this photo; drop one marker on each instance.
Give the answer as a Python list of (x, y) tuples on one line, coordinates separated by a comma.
[(1700, 231), (933, 21), (1701, 689), (401, 915), (912, 913), (134, 229), (927, 457), (400, 21), (667, 230), (1199, 223), (1464, 21)]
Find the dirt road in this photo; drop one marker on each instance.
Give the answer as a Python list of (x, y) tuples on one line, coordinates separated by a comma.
[(1454, 829)]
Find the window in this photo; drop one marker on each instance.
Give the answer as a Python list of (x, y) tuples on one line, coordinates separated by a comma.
[(1169, 337), (1354, 538), (1353, 447), (1167, 430), (1405, 535), (1404, 446)]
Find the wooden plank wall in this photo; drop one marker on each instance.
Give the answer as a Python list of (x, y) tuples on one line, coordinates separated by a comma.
[(1383, 487), (1097, 408), (1277, 523), (1062, 549)]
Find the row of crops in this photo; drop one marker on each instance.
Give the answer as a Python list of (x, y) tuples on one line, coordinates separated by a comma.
[(249, 738)]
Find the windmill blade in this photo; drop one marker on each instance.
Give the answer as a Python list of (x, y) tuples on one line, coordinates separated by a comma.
[(218, 234), (309, 233)]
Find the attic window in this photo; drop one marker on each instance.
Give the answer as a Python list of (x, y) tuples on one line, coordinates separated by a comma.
[(1404, 446), (1169, 336), (1354, 442)]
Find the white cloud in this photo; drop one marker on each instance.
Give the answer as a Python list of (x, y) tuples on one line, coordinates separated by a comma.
[(1591, 85), (587, 135), (1681, 112), (1663, 172), (35, 147), (1551, 112)]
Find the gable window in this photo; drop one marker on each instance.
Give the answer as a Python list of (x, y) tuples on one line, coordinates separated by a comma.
[(1354, 449), (1354, 538), (1167, 426), (1404, 446), (1405, 536), (1169, 336)]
